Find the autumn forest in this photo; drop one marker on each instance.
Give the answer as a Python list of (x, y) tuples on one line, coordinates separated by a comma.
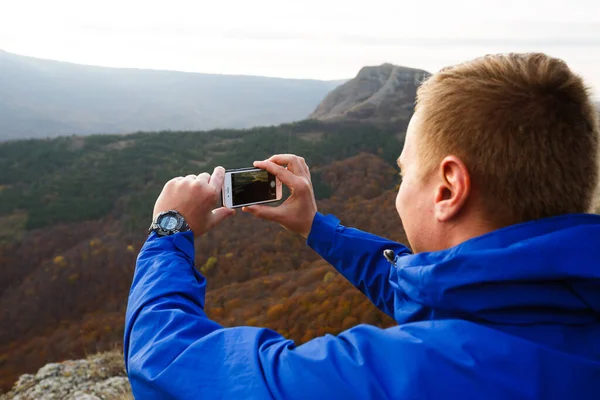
[(74, 213)]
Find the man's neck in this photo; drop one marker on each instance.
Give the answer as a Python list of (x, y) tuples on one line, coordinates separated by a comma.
[(466, 227)]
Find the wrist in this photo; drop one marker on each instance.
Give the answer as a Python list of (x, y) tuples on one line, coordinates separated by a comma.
[(307, 231)]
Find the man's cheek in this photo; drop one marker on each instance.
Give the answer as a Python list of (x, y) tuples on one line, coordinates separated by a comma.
[(400, 203)]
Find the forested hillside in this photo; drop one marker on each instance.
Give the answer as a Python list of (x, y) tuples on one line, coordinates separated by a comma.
[(74, 212)]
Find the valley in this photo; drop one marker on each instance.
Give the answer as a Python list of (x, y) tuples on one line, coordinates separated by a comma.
[(76, 211)]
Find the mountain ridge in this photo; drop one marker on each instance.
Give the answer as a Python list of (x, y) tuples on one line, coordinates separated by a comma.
[(46, 98), (41, 59)]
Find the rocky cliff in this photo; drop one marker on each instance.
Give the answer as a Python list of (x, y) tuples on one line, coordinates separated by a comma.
[(99, 377), (383, 93)]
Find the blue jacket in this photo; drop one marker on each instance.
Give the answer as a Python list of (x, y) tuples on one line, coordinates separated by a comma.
[(513, 314)]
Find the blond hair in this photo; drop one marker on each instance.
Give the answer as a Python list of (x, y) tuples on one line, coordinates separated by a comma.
[(524, 125)]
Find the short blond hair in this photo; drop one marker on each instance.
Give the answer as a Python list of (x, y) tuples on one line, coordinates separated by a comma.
[(526, 128)]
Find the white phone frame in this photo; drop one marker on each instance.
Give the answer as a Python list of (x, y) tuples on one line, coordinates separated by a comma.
[(227, 192)]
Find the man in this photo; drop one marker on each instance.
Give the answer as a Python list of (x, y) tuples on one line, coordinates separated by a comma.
[(500, 298)]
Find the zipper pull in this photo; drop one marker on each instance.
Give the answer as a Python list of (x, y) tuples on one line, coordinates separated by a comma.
[(390, 256)]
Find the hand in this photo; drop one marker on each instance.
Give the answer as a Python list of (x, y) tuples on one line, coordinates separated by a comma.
[(298, 211), (194, 197)]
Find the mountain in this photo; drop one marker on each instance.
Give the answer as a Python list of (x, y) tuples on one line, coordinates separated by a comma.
[(44, 98), (382, 93)]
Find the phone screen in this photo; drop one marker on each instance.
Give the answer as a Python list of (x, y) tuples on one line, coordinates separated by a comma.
[(252, 187)]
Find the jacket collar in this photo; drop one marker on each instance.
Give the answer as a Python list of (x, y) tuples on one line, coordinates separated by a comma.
[(544, 271)]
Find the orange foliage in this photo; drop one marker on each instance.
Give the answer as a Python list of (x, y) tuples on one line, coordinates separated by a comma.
[(64, 289)]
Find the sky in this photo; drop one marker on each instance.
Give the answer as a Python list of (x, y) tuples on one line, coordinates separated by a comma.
[(300, 39)]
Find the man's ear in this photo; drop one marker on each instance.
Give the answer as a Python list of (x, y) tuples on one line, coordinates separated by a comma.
[(453, 189)]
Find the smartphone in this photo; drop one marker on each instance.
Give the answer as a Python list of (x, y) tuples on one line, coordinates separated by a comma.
[(248, 186)]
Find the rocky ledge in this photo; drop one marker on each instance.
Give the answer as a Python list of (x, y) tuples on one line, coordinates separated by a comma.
[(99, 377)]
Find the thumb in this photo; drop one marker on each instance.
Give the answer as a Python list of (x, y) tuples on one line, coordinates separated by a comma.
[(264, 212), (219, 215)]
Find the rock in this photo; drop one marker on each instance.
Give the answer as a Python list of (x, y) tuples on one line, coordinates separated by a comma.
[(99, 377), (384, 93)]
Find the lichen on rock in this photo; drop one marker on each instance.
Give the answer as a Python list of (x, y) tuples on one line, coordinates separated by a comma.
[(99, 377)]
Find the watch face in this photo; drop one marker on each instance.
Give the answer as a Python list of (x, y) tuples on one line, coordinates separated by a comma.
[(168, 222)]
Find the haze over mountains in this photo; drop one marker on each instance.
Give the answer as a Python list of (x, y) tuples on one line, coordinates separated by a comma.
[(45, 98)]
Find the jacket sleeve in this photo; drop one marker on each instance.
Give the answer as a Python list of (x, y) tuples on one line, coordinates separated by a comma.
[(358, 256), (174, 351)]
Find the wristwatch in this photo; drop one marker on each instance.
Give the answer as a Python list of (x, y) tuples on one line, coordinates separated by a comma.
[(168, 223)]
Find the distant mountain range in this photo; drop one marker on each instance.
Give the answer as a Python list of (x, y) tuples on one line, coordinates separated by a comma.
[(45, 98)]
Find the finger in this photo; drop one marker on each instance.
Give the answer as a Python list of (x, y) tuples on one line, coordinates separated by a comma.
[(203, 177), (282, 159), (265, 212), (286, 176), (172, 181), (219, 215), (217, 178), (291, 160), (189, 177)]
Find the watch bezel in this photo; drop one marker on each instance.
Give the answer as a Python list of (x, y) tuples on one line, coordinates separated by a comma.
[(180, 227)]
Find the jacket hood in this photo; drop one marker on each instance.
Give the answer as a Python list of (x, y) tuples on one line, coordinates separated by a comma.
[(540, 272)]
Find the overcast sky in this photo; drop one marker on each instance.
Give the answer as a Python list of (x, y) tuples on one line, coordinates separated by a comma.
[(302, 39)]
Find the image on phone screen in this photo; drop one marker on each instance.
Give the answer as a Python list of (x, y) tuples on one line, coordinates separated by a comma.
[(250, 186)]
